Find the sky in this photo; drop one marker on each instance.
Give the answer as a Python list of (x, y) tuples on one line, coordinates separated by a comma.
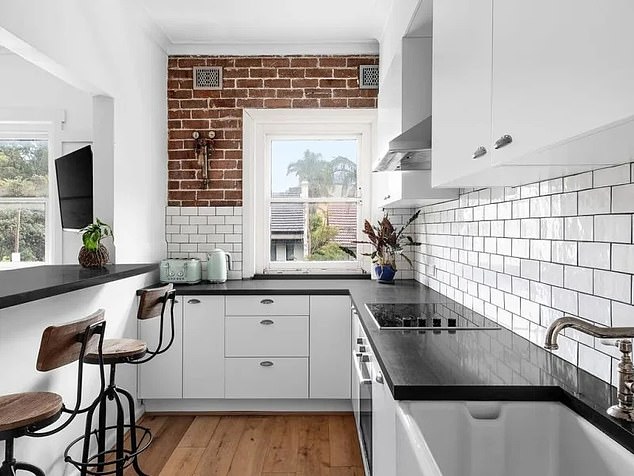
[(285, 152)]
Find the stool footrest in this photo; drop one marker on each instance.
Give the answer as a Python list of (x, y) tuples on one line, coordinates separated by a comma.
[(109, 466)]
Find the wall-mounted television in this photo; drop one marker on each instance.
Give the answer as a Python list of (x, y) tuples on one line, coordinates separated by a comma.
[(74, 187)]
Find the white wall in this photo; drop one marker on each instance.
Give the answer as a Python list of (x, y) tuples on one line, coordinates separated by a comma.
[(21, 329), (109, 48)]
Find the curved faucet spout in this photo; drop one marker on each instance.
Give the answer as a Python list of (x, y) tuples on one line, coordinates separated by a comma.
[(562, 323)]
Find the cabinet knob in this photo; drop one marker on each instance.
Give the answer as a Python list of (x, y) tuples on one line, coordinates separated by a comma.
[(503, 141), (387, 197), (267, 301), (266, 363), (267, 322), (479, 152), (193, 301), (379, 377)]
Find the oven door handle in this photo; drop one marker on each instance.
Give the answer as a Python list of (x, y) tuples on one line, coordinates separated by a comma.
[(357, 366)]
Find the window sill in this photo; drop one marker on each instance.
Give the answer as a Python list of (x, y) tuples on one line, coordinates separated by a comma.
[(294, 275)]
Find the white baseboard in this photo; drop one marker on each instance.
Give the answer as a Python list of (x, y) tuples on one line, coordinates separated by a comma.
[(261, 405)]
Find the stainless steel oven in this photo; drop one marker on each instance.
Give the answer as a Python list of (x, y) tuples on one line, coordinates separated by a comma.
[(362, 357)]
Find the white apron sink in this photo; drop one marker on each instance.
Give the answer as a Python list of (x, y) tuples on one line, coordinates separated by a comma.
[(503, 439)]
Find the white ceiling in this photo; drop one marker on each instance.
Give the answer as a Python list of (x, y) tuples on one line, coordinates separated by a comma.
[(272, 22)]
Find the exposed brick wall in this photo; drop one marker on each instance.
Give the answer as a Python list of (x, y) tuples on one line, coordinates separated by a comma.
[(248, 82)]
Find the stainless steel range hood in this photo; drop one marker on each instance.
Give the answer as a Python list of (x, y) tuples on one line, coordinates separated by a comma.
[(409, 151)]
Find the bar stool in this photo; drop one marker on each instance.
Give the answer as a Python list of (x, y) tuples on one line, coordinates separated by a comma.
[(24, 414), (152, 303)]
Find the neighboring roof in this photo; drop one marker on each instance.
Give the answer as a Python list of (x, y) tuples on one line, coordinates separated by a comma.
[(344, 217), (287, 218)]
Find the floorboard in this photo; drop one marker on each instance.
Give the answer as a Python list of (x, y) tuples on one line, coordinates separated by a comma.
[(240, 445)]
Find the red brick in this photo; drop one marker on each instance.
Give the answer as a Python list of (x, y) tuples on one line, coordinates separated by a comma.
[(227, 144), (352, 83), (305, 103), (319, 73), (233, 134), (328, 102), (191, 62), (248, 62), (225, 62), (305, 83), (277, 83), (333, 62), (224, 123), (332, 83), (233, 155), (182, 174), (346, 73), (291, 72), (193, 103), (233, 174), (262, 93), (233, 194), (235, 73), (195, 124), (178, 155), (173, 165), (175, 144), (173, 104), (190, 164), (304, 62), (263, 73), (277, 103), (201, 113), (279, 62), (250, 103), (211, 194), (172, 62), (361, 102), (174, 124), (192, 203), (234, 93), (290, 93), (358, 61), (318, 93), (223, 164), (250, 83), (180, 73), (228, 83), (224, 102), (178, 114), (345, 93), (180, 134), (183, 195), (173, 185), (206, 93), (179, 94), (191, 184)]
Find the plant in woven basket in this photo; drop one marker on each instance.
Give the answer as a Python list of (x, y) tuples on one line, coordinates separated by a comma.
[(93, 254)]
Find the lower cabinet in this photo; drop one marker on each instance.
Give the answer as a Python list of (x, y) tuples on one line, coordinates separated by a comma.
[(162, 377), (255, 377), (203, 347), (383, 426)]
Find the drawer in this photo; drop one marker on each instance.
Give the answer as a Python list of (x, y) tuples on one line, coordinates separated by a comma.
[(272, 336), (263, 305), (266, 378)]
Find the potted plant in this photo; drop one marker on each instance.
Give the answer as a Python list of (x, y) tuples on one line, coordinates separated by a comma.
[(93, 254), (388, 243)]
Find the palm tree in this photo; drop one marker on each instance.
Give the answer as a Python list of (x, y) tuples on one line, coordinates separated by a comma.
[(315, 170), (344, 173)]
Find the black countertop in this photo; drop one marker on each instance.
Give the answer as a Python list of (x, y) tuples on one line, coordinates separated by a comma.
[(18, 286), (460, 365)]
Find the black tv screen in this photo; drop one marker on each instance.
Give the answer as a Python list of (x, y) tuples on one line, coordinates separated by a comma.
[(74, 187)]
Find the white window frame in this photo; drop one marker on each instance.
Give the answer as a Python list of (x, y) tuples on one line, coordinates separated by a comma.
[(40, 124), (260, 127)]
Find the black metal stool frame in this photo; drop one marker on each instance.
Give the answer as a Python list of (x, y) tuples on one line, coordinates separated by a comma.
[(10, 464), (123, 457)]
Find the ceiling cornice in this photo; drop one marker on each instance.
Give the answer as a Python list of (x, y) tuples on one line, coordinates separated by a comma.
[(367, 47)]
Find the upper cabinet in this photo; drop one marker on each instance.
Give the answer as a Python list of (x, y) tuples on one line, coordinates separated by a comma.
[(541, 85), (562, 71)]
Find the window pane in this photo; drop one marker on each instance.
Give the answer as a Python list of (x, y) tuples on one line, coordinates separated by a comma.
[(313, 232), (314, 168), (23, 192)]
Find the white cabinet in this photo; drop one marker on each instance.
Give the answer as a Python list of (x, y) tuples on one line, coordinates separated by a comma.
[(560, 70), (330, 349), (383, 426), (162, 377), (267, 378), (278, 336), (203, 347), (267, 305), (411, 189)]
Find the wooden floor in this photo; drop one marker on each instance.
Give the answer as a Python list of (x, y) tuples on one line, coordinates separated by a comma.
[(284, 445)]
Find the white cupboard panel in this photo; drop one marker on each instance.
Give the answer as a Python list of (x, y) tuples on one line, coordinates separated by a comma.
[(162, 377), (278, 336), (330, 347), (203, 353), (266, 378), (267, 305)]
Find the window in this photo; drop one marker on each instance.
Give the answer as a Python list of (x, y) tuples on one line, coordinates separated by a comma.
[(305, 177), (24, 191)]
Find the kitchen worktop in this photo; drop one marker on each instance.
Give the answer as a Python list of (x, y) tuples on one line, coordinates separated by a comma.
[(453, 365), (19, 286)]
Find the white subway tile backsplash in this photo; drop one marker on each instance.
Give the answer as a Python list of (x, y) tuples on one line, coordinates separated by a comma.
[(540, 206), (613, 228), (617, 286), (579, 279), (563, 205), (579, 228), (521, 208), (540, 250), (594, 201), (521, 248), (529, 228), (594, 255), (565, 300), (564, 252), (540, 293), (578, 182), (505, 210), (551, 186), (552, 273), (623, 258), (552, 228), (622, 314), (529, 269), (595, 309), (595, 362), (623, 199), (612, 175)]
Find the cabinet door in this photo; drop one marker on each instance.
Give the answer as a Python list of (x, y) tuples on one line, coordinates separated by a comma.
[(383, 426), (461, 92), (560, 69), (330, 350), (162, 377), (203, 347)]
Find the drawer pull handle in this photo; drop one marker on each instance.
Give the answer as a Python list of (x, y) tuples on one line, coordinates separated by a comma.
[(267, 322), (267, 301), (193, 301), (266, 363)]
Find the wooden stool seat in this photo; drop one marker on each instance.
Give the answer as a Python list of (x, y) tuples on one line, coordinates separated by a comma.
[(118, 351), (22, 410)]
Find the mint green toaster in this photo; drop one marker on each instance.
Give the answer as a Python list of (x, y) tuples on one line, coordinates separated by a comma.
[(181, 270)]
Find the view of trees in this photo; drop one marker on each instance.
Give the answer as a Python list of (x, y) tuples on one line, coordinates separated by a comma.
[(23, 173), (326, 178)]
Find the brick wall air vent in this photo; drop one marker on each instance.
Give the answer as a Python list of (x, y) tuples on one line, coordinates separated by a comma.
[(368, 76), (208, 77)]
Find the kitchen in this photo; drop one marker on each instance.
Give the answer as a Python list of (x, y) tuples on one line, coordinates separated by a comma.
[(526, 217)]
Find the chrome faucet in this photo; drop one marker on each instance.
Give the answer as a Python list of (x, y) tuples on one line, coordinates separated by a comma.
[(624, 409)]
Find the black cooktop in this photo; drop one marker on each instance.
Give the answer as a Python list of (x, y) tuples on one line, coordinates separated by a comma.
[(435, 316)]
